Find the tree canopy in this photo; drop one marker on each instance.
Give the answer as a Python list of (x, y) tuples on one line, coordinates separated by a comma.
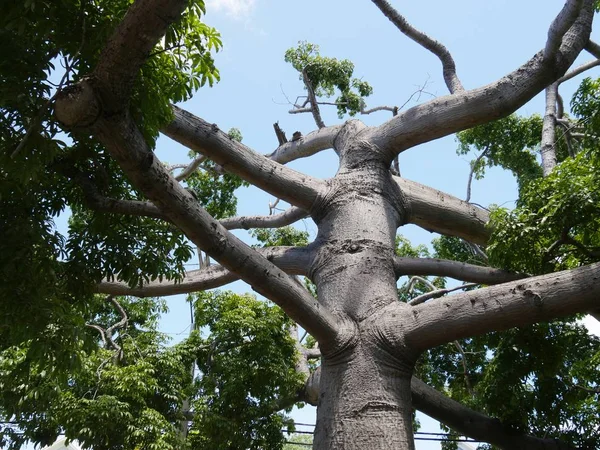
[(480, 329)]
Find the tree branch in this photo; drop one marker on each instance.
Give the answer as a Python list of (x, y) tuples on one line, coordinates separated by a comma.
[(287, 217), (548, 145), (292, 260), (449, 68), (474, 424), (446, 115), (190, 168), (129, 46), (579, 70), (560, 25), (314, 142), (193, 132), (453, 269), (438, 293), (593, 49), (314, 105), (437, 211), (504, 306)]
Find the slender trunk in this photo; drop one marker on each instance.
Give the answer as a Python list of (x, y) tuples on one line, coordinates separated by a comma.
[(548, 149)]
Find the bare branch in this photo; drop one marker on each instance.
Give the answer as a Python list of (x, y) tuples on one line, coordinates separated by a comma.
[(504, 306), (193, 132), (292, 260), (453, 269), (472, 171), (438, 293), (447, 115), (413, 280), (287, 217), (190, 168), (593, 48), (449, 68), (437, 211), (314, 106), (321, 139), (474, 424), (579, 70)]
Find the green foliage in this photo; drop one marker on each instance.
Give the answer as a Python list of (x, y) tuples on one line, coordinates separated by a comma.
[(284, 236), (455, 249), (328, 75), (215, 191), (107, 401), (511, 143), (533, 379), (557, 223), (298, 442), (247, 365)]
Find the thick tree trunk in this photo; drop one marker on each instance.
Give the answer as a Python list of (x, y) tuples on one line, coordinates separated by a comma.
[(365, 397), (365, 401)]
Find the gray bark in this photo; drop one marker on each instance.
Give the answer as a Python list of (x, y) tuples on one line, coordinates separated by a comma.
[(437, 211), (548, 147), (292, 260), (453, 269)]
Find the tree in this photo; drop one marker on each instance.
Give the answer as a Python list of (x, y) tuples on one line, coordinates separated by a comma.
[(115, 96)]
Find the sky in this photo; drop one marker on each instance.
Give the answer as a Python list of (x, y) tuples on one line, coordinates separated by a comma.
[(486, 38)]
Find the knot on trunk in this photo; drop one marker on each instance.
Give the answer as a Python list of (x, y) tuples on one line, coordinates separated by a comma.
[(77, 106)]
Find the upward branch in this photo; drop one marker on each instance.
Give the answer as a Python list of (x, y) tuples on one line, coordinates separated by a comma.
[(438, 49), (285, 183), (446, 115)]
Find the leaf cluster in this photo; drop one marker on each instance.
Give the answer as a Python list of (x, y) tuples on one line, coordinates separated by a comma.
[(247, 366), (328, 76)]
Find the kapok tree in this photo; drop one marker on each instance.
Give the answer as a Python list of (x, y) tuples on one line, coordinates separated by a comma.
[(368, 340)]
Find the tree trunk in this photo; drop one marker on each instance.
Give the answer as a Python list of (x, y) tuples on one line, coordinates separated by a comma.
[(365, 401), (365, 397)]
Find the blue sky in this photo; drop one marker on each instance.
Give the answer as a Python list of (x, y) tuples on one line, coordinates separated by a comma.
[(487, 39)]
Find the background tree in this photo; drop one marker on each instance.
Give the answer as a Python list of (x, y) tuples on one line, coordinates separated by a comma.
[(135, 222)]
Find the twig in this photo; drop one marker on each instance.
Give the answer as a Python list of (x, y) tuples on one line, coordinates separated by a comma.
[(438, 293)]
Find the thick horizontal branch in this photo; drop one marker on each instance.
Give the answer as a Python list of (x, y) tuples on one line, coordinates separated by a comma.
[(449, 114), (453, 269), (314, 142), (292, 260), (193, 132), (508, 305), (443, 213), (474, 424), (435, 47)]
